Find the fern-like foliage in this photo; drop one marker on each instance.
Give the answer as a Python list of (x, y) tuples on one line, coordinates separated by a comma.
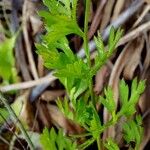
[(108, 101), (111, 145), (56, 141), (133, 131), (60, 21), (76, 75), (128, 104), (103, 53)]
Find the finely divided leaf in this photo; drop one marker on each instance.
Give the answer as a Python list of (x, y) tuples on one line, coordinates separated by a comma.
[(95, 124), (108, 102), (99, 44), (128, 106), (114, 37), (103, 54), (53, 141), (124, 92), (111, 145), (133, 131)]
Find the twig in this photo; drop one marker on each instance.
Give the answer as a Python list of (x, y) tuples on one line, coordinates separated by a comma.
[(140, 18), (135, 33), (28, 44), (24, 85)]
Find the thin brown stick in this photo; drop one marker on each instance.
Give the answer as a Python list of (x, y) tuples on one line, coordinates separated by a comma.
[(28, 84), (140, 18), (135, 33), (27, 42)]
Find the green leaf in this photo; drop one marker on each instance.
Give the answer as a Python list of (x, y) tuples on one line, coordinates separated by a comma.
[(78, 69), (114, 37), (52, 58), (124, 92), (109, 101), (111, 36), (3, 114), (55, 7), (111, 145), (83, 113), (95, 124), (81, 86), (63, 44), (128, 106), (53, 141), (103, 54), (7, 61), (47, 139), (133, 131), (65, 108), (99, 44)]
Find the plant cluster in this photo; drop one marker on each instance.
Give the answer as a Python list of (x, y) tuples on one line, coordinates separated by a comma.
[(77, 74)]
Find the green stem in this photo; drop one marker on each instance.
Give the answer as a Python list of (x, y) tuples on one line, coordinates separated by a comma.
[(86, 144), (86, 46), (81, 135), (15, 119), (98, 143)]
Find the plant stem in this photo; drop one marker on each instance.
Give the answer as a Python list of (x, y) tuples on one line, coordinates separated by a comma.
[(86, 46), (98, 143), (15, 119)]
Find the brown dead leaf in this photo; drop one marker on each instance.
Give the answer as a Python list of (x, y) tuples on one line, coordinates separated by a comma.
[(144, 102), (27, 112), (100, 79), (43, 114), (146, 125), (118, 8), (36, 24), (107, 14), (147, 59), (59, 120), (134, 60), (40, 66), (52, 95), (96, 19)]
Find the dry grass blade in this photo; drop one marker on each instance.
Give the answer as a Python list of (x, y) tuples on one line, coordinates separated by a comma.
[(100, 78), (96, 19), (118, 8), (135, 59), (107, 14)]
